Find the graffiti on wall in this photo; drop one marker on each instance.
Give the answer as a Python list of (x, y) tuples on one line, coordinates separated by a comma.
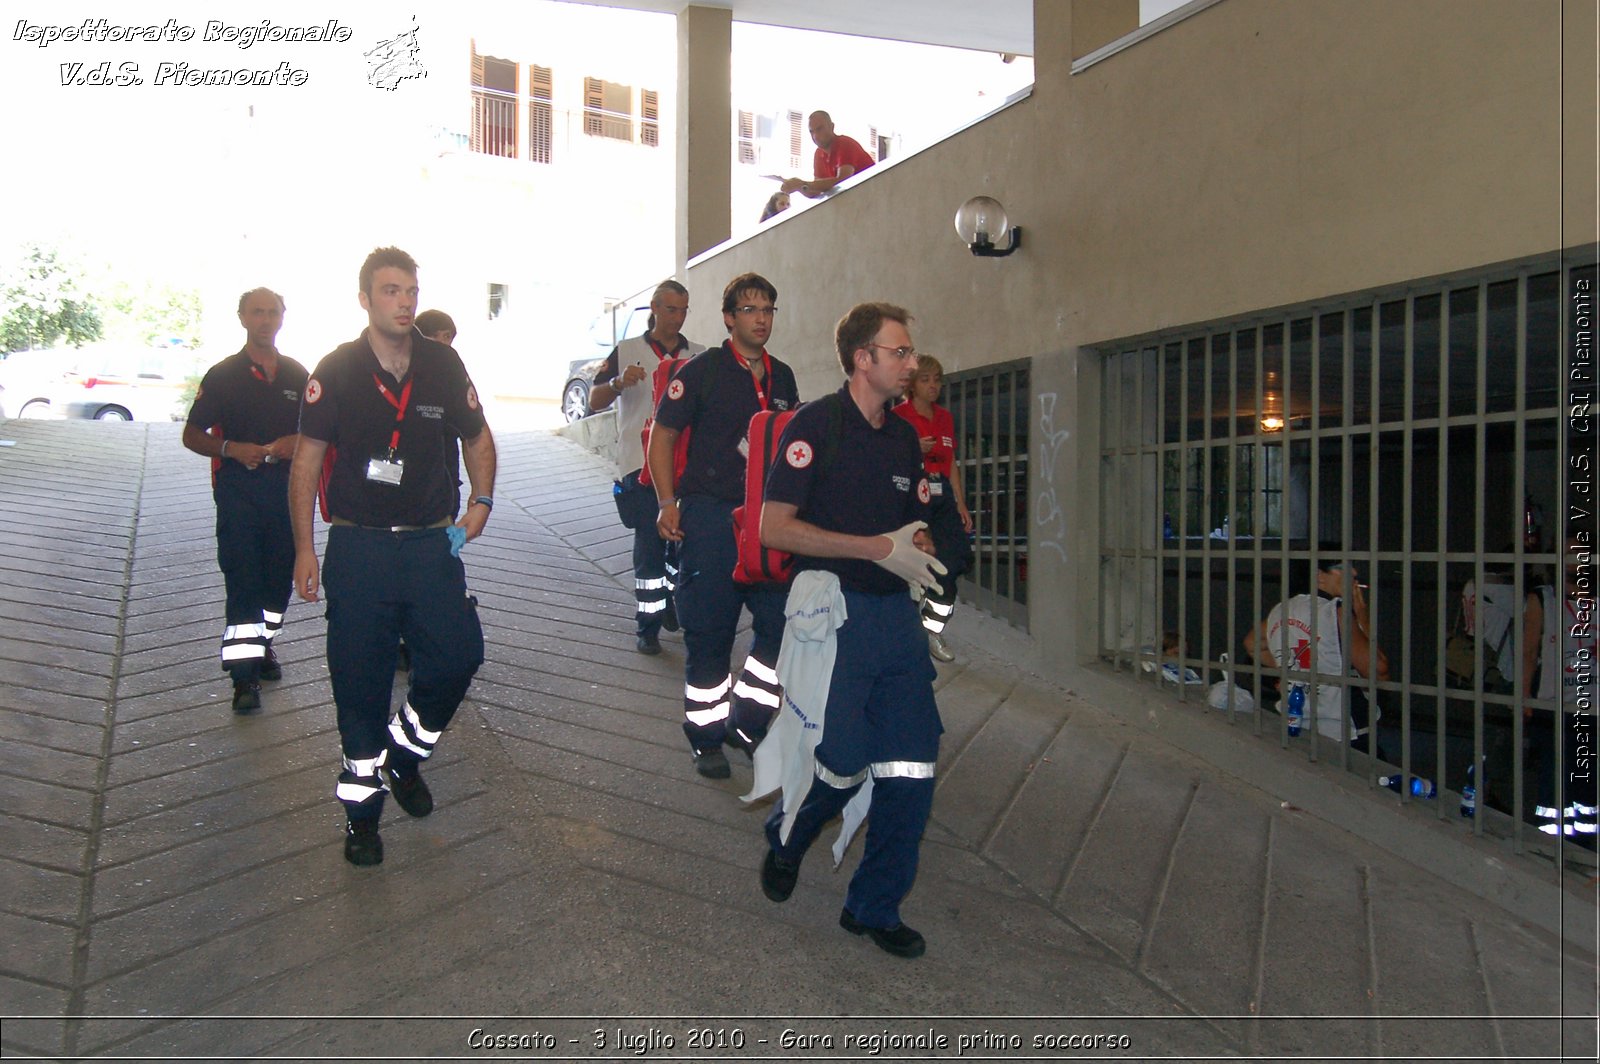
[(1048, 515)]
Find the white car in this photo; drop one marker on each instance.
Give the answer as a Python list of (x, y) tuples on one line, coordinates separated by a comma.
[(29, 380), (605, 332), (113, 383)]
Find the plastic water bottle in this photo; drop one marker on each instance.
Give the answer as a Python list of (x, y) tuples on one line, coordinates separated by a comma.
[(1420, 787), (1297, 708), (1469, 795)]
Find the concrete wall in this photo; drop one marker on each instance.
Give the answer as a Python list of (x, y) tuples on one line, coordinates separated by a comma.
[(1255, 155)]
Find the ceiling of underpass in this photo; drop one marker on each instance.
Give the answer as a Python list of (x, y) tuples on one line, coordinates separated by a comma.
[(990, 26)]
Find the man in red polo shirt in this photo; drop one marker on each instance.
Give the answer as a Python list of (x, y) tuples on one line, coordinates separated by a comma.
[(837, 158)]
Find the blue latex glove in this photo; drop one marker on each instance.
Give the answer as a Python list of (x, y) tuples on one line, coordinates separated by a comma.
[(458, 539)]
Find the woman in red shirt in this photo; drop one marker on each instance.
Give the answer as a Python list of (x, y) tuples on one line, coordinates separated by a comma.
[(950, 523)]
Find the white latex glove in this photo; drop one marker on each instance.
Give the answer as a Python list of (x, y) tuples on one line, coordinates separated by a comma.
[(907, 562)]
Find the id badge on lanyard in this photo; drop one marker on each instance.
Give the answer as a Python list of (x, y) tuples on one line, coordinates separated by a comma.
[(389, 467), (761, 387)]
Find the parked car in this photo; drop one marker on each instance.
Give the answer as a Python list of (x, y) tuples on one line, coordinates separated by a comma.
[(110, 383), (580, 379), (29, 380), (605, 332)]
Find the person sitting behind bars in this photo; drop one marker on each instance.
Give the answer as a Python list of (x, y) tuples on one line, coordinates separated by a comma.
[(1285, 637)]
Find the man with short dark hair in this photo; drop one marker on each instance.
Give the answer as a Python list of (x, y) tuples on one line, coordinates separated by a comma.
[(626, 379), (244, 419), (838, 157), (848, 497), (715, 395), (382, 406)]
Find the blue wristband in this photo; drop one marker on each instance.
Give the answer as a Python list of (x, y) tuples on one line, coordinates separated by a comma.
[(487, 500)]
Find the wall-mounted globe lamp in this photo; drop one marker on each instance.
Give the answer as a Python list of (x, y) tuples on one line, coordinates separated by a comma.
[(979, 221)]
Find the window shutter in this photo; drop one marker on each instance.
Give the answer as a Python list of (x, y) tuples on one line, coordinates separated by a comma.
[(650, 114), (794, 140), (594, 97), (478, 102), (747, 138), (541, 87)]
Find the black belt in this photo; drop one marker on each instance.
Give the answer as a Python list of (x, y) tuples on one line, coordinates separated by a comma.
[(443, 522)]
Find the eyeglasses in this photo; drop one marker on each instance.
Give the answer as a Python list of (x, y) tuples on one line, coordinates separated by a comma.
[(901, 353), (756, 312)]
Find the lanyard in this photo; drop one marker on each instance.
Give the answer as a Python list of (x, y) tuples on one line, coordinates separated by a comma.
[(399, 405), (259, 375), (766, 373)]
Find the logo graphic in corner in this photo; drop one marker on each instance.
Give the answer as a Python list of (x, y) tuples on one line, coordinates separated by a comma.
[(923, 494), (472, 396), (675, 390), (799, 454), (313, 390)]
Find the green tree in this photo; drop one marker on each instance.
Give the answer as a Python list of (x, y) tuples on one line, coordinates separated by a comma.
[(154, 315), (41, 302)]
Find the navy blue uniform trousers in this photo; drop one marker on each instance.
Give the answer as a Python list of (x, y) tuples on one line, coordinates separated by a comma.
[(255, 551), (383, 586), (708, 602), (881, 718)]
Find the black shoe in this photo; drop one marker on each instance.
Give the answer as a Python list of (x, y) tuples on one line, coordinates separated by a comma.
[(411, 793), (900, 940), (778, 877), (712, 763), (739, 741), (669, 619), (402, 660), (648, 644), (362, 845), (270, 669), (246, 697)]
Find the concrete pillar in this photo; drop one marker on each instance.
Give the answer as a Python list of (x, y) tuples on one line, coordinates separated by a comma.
[(1066, 30), (705, 131), (1096, 23)]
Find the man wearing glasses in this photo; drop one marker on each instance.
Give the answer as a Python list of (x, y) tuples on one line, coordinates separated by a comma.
[(857, 526), (713, 398)]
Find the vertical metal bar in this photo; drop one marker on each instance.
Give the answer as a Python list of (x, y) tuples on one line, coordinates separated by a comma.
[(1114, 541), (1346, 459), (1563, 531), (1285, 529), (1373, 492), (1519, 546), (1022, 483), (1479, 574), (1141, 564), (1232, 643), (1441, 567), (1311, 517), (1205, 545), (1408, 544), (1007, 401), (1183, 465), (1260, 502)]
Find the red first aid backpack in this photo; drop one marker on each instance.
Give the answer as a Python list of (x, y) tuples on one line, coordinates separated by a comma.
[(757, 564), (665, 370)]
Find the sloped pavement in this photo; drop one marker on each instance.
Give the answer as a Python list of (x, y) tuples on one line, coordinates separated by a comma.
[(171, 883)]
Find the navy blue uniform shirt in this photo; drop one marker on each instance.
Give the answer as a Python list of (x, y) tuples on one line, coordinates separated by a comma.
[(344, 408), (867, 482), (236, 397), (716, 396)]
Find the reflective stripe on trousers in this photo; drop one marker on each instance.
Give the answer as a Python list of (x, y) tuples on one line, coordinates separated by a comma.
[(244, 642)]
